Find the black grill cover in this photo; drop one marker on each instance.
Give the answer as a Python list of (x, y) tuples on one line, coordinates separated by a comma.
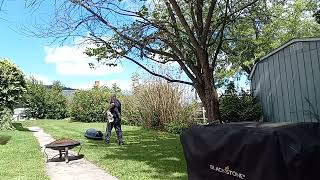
[(93, 134), (253, 151)]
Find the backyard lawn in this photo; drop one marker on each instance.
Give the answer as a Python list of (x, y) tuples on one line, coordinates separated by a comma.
[(20, 156), (146, 154)]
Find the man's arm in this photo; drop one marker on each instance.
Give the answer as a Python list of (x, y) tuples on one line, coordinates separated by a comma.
[(111, 105)]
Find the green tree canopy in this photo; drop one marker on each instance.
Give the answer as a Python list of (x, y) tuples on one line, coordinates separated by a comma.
[(12, 84), (267, 27)]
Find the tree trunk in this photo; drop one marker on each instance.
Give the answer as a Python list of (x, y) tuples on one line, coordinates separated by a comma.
[(210, 101), (206, 90)]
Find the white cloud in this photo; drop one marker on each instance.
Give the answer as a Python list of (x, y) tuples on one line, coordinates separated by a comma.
[(70, 60), (44, 79)]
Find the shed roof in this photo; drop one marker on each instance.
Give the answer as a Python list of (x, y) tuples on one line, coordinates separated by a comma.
[(281, 47)]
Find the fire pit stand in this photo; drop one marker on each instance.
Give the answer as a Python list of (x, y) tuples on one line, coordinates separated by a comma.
[(63, 146)]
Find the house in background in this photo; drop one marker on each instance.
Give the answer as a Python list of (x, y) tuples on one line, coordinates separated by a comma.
[(66, 91), (287, 82), (19, 114)]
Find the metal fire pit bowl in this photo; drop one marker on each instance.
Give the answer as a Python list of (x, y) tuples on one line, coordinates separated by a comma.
[(63, 146)]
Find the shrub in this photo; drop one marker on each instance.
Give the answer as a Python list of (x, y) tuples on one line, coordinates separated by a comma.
[(12, 84), (158, 105), (6, 119), (43, 102), (175, 127), (90, 105), (130, 113), (234, 108), (56, 102), (155, 104)]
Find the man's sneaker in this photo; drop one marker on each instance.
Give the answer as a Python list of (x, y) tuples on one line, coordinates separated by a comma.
[(121, 143), (106, 142)]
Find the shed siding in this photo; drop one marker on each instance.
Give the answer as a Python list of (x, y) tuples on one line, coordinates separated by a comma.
[(263, 88), (258, 83), (273, 101), (287, 83), (289, 64), (303, 84), (278, 88), (268, 93), (310, 100), (297, 87), (315, 55), (282, 84)]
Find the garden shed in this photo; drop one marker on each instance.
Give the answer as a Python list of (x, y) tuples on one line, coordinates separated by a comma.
[(286, 82)]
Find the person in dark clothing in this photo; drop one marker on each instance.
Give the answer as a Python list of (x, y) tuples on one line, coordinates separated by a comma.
[(115, 110)]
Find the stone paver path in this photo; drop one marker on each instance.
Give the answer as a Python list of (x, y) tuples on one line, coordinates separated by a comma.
[(77, 169)]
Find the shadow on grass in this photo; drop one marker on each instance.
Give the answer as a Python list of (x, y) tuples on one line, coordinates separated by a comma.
[(19, 127), (161, 152), (71, 157), (4, 139)]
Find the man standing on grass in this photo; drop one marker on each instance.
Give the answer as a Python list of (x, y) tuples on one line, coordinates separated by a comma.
[(115, 110)]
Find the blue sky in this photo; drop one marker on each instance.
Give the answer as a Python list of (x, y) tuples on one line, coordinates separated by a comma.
[(48, 61)]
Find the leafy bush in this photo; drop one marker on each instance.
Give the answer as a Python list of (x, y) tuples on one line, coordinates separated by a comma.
[(6, 119), (175, 127), (234, 108), (90, 105), (12, 84), (56, 102), (157, 105), (44, 103)]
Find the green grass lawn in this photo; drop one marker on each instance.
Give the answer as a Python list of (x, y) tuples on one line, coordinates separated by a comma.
[(20, 156), (146, 154)]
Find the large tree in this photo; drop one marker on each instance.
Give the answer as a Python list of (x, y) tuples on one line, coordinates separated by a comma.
[(190, 33)]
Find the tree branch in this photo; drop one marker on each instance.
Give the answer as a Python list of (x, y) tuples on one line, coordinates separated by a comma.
[(208, 22), (193, 18), (184, 23), (156, 74), (221, 21), (141, 45), (1, 4), (174, 23), (182, 65), (221, 35), (199, 11)]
